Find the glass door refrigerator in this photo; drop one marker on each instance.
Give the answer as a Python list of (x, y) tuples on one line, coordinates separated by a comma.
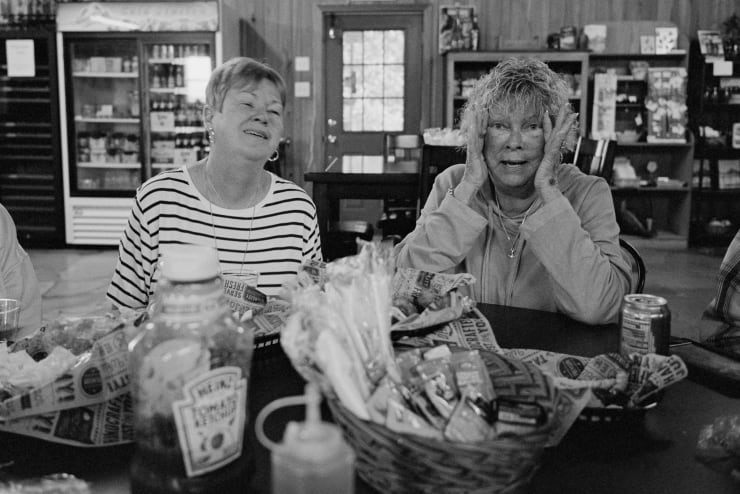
[(132, 91)]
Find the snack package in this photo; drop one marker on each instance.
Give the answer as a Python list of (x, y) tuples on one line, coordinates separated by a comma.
[(471, 331), (338, 335), (97, 375), (422, 299), (48, 484), (718, 446)]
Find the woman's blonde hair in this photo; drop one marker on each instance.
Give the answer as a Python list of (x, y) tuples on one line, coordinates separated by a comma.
[(514, 84), (240, 72)]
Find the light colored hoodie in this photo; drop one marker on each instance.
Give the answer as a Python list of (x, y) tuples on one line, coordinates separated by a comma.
[(17, 277), (567, 258)]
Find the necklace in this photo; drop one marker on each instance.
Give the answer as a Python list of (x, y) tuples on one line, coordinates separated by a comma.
[(213, 224), (512, 243)]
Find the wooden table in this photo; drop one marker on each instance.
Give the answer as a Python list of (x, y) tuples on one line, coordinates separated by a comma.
[(330, 187), (654, 455)]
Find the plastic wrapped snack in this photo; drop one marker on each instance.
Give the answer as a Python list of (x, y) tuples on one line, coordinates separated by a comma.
[(718, 446)]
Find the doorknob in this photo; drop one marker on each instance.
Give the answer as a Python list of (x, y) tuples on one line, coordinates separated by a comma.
[(331, 138), (331, 122)]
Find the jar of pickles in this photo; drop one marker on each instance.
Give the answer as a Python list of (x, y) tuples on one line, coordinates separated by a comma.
[(190, 368)]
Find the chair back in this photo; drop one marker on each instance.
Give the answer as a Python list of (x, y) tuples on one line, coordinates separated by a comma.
[(341, 239), (637, 265), (402, 152), (434, 160), (595, 156)]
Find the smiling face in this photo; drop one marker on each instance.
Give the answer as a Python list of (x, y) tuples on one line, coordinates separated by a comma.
[(513, 147), (250, 122)]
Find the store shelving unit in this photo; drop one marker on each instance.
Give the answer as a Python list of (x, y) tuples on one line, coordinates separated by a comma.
[(462, 68), (715, 103), (31, 173)]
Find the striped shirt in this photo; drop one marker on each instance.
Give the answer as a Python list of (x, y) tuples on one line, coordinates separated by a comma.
[(272, 238)]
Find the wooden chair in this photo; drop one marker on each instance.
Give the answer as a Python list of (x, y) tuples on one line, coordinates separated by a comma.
[(595, 156)]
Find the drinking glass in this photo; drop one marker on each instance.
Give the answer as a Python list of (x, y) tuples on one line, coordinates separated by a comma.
[(10, 311)]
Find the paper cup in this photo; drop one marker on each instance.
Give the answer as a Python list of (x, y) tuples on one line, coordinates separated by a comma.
[(10, 312)]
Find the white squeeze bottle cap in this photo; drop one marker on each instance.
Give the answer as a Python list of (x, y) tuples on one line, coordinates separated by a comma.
[(313, 457)]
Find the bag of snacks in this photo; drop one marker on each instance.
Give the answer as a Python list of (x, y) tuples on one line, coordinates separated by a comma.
[(69, 382)]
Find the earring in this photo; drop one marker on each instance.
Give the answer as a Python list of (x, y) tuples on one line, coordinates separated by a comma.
[(274, 156), (211, 135)]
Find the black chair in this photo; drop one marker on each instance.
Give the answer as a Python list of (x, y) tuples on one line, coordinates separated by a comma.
[(401, 153), (341, 239), (434, 160), (595, 156), (633, 257)]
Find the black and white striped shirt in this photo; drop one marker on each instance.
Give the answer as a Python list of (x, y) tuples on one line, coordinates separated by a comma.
[(278, 234)]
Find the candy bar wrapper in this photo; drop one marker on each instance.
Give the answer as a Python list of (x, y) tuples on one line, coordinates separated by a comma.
[(467, 423), (471, 375), (401, 419), (672, 369), (472, 332), (439, 385)]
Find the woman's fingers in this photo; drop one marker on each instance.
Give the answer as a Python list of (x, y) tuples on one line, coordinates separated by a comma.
[(475, 165)]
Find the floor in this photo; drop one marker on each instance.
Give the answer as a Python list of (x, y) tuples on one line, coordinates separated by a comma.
[(74, 281)]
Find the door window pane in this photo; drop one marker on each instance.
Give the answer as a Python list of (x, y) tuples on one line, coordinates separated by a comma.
[(373, 80)]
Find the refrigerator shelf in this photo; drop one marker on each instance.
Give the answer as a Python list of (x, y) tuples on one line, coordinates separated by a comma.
[(102, 164), (107, 75), (169, 90), (107, 120)]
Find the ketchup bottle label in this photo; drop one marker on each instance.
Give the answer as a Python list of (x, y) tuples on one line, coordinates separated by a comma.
[(210, 419)]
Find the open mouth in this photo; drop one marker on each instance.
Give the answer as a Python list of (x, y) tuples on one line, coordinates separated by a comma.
[(256, 133)]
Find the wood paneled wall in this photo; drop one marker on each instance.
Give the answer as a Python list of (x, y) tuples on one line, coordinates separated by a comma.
[(279, 30)]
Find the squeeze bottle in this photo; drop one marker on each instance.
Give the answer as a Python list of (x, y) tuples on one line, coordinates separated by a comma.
[(313, 457)]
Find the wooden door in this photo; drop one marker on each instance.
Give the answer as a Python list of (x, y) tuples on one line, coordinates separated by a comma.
[(373, 84)]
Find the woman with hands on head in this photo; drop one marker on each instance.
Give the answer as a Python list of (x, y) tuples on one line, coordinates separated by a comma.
[(535, 232), (262, 226)]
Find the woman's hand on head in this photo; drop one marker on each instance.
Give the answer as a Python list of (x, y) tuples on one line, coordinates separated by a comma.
[(476, 171), (546, 178)]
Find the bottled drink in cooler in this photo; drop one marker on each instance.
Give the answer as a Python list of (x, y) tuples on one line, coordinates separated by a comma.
[(190, 368)]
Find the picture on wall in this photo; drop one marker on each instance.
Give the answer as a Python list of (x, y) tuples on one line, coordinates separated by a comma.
[(458, 28), (710, 44)]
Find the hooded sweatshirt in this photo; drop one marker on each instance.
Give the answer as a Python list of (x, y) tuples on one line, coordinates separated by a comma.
[(566, 256)]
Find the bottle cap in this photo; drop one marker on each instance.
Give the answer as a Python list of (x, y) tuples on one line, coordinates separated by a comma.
[(189, 262)]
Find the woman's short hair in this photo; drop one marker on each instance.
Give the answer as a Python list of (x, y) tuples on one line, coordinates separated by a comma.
[(240, 72), (515, 83)]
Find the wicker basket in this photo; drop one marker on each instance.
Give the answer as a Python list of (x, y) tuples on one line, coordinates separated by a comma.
[(404, 463)]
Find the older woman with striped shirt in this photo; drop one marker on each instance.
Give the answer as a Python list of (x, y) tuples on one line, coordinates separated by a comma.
[(260, 224)]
